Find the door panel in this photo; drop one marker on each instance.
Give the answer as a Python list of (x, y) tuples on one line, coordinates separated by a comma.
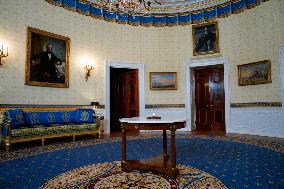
[(202, 99), (210, 98), (217, 101), (203, 116)]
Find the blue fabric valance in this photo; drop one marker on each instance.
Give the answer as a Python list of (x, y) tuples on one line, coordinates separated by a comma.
[(212, 13)]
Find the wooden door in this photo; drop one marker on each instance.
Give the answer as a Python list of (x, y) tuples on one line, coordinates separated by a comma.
[(124, 96), (210, 98)]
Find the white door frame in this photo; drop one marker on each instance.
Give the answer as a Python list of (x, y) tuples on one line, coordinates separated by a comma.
[(281, 61), (192, 63), (114, 64)]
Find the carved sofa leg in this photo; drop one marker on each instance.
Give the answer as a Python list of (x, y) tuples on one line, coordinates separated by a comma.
[(74, 138), (42, 141), (100, 126), (9, 133), (8, 145)]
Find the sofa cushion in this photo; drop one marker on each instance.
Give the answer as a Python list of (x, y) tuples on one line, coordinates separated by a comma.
[(65, 117), (85, 116), (49, 118), (16, 117), (36, 118), (38, 130)]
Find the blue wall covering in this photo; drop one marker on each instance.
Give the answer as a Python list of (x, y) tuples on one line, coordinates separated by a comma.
[(146, 20), (172, 20), (184, 18), (252, 3), (83, 7), (109, 16), (224, 10), (69, 4), (97, 12), (160, 20), (210, 14), (197, 17), (238, 6), (134, 20), (122, 18)]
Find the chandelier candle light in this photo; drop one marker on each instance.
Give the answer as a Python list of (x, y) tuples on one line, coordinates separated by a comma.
[(88, 69), (2, 54)]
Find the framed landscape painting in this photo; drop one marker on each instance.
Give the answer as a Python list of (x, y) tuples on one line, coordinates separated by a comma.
[(205, 38), (163, 80), (255, 73), (47, 62)]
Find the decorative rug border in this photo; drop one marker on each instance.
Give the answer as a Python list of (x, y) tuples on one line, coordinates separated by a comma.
[(275, 144)]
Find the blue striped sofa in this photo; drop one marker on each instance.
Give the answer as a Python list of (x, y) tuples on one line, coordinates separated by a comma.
[(19, 125)]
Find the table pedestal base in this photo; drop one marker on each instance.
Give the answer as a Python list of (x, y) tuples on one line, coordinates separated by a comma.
[(155, 164)]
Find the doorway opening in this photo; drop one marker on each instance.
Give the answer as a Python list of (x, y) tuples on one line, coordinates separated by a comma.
[(190, 67), (209, 99), (124, 96)]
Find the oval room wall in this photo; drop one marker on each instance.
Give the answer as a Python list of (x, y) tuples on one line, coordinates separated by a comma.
[(253, 35)]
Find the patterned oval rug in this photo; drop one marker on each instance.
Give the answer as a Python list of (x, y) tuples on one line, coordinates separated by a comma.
[(109, 175)]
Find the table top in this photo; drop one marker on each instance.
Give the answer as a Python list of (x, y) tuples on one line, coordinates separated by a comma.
[(145, 120)]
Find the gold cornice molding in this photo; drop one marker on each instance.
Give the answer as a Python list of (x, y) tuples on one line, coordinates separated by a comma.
[(150, 106), (256, 104)]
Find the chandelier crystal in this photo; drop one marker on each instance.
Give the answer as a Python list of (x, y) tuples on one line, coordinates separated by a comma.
[(127, 6)]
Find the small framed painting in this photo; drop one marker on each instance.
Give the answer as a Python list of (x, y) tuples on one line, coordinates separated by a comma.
[(163, 80), (255, 73), (205, 38)]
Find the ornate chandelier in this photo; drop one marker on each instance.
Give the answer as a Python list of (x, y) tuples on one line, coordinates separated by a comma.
[(127, 6)]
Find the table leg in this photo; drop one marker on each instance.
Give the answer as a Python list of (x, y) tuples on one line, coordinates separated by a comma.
[(173, 149), (123, 143), (165, 150)]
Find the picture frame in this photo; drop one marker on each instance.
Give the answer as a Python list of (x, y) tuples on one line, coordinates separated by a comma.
[(163, 80), (205, 38), (254, 73), (47, 61)]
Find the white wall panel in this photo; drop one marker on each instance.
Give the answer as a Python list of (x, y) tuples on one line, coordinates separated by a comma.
[(258, 121), (253, 121)]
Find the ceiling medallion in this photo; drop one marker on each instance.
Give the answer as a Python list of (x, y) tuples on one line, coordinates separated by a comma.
[(127, 6)]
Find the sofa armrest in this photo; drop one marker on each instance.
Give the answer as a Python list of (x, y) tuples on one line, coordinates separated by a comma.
[(99, 125), (1, 126), (6, 126)]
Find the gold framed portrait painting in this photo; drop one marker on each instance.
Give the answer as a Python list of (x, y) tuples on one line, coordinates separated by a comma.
[(255, 73), (205, 38), (163, 80), (47, 62)]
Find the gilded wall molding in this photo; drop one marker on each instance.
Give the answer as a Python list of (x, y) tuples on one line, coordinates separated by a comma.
[(256, 104), (147, 106), (150, 106)]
